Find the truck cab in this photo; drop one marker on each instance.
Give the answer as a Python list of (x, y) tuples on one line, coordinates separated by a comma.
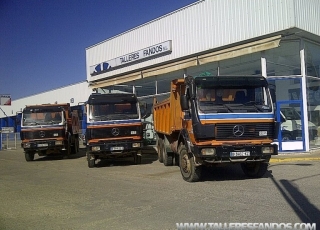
[(49, 129), (219, 120), (114, 127)]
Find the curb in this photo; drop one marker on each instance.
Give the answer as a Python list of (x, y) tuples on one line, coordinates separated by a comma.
[(280, 160)]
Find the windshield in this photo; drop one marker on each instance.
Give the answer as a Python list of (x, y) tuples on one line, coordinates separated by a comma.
[(290, 114), (41, 117), (242, 99), (113, 111)]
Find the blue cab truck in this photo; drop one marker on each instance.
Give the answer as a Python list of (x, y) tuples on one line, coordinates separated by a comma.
[(114, 127)]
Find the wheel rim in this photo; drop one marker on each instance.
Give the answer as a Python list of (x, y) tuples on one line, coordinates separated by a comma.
[(185, 164)]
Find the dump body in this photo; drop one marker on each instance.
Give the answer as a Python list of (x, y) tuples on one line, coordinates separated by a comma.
[(167, 115), (216, 120), (49, 129), (114, 127)]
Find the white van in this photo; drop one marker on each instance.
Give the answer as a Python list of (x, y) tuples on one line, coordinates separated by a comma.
[(291, 128)]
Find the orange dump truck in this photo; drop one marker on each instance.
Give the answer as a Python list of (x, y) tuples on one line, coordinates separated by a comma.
[(49, 129), (216, 120)]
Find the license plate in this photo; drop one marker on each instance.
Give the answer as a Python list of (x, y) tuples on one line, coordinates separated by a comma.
[(43, 145), (240, 154), (116, 148)]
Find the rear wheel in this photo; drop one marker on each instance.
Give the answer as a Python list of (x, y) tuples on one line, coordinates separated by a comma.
[(189, 171), (29, 156), (254, 170), (167, 158), (159, 149)]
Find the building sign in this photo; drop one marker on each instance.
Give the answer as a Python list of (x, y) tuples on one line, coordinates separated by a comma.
[(144, 54), (5, 99), (7, 129)]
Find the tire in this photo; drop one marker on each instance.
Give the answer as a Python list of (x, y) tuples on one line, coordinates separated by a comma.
[(137, 159), (75, 147), (189, 171), (29, 156), (286, 137), (254, 170), (167, 157), (91, 160), (159, 149), (68, 148)]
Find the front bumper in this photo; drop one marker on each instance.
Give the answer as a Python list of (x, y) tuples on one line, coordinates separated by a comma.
[(43, 145), (114, 147), (233, 154)]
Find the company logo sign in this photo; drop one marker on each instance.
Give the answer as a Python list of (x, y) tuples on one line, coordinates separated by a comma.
[(42, 134), (115, 131), (152, 51), (238, 130)]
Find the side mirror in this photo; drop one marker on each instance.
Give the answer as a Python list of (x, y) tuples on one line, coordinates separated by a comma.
[(184, 102)]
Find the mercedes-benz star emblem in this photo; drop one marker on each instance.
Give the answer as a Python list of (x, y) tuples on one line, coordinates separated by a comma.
[(42, 134), (115, 131), (238, 130)]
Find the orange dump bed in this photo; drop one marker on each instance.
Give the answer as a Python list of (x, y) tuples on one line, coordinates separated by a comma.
[(167, 114)]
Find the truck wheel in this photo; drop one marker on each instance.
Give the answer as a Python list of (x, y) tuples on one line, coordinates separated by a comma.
[(137, 159), (254, 170), (29, 156), (159, 149), (286, 137), (189, 171), (91, 160), (75, 147), (167, 157)]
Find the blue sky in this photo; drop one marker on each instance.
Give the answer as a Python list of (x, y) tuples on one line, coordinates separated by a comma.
[(43, 42)]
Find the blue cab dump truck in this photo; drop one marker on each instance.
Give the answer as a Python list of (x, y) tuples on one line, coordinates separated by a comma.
[(114, 127), (215, 121)]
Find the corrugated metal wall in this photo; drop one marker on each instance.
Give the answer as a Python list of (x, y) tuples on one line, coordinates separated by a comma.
[(198, 27), (308, 15), (79, 92)]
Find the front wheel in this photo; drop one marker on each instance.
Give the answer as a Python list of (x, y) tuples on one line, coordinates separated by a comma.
[(189, 171), (91, 160), (29, 156), (137, 158), (254, 170), (75, 147)]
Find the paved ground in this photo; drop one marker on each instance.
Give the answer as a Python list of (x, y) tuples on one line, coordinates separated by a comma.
[(294, 156)]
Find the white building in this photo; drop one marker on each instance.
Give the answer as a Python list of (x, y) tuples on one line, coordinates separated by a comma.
[(277, 39)]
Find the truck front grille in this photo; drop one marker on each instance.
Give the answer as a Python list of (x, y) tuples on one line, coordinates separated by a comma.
[(244, 131)]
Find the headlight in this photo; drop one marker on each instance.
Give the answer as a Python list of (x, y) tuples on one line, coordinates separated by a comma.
[(267, 150), (95, 148), (26, 145), (134, 145), (208, 151), (58, 143)]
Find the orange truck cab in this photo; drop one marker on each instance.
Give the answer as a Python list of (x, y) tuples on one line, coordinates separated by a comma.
[(114, 127), (49, 129), (216, 120)]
